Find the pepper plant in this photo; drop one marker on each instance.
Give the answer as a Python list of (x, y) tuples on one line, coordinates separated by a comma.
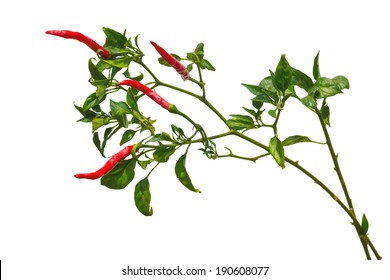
[(111, 72)]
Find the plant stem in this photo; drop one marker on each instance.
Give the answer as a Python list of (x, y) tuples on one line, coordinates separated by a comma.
[(362, 235)]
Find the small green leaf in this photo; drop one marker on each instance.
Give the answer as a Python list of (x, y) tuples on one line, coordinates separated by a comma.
[(127, 136), (96, 141), (161, 137), (119, 108), (316, 67), (268, 84), (190, 67), (239, 122), (257, 104), (108, 133), (165, 137), (98, 122), (119, 111), (301, 79), (142, 197), (309, 102), (342, 82), (263, 98), (365, 224), (250, 111), (277, 151), (88, 114), (130, 98), (95, 73), (205, 64), (295, 139), (163, 153), (114, 38), (120, 176), (92, 100), (327, 87), (262, 94), (182, 174), (272, 113), (162, 61), (199, 50), (325, 114), (122, 62), (144, 163), (283, 74)]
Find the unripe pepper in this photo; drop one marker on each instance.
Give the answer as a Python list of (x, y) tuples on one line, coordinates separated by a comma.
[(180, 68), (150, 93), (82, 38), (108, 166)]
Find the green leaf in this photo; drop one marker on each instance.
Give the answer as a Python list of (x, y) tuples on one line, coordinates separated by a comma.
[(98, 122), (272, 113), (144, 163), (277, 151), (92, 100), (342, 82), (316, 67), (96, 141), (161, 137), (301, 79), (165, 137), (257, 104), (142, 197), (95, 73), (239, 122), (365, 224), (327, 87), (127, 136), (122, 62), (205, 64), (325, 114), (163, 153), (119, 111), (283, 74), (144, 122), (162, 61), (295, 139), (267, 84), (87, 114), (199, 50), (130, 98), (250, 111), (182, 174), (309, 102), (262, 94), (114, 38), (190, 67), (120, 176), (108, 133)]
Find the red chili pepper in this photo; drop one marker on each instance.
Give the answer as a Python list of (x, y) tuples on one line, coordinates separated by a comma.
[(82, 38), (110, 164), (180, 68), (149, 92)]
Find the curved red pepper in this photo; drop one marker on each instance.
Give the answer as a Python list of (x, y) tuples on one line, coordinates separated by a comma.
[(180, 68), (149, 92), (108, 166), (82, 38)]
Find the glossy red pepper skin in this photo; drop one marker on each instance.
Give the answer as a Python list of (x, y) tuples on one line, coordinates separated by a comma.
[(82, 38), (149, 92), (108, 166), (180, 68)]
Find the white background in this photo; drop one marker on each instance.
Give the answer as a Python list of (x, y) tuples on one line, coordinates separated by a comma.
[(56, 227)]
